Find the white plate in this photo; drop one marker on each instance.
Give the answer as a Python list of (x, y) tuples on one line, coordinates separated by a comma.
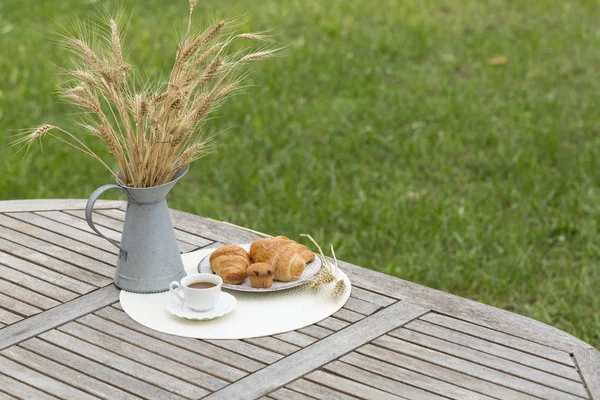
[(226, 305), (311, 270)]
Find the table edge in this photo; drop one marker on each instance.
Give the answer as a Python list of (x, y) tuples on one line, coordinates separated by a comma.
[(588, 362), (30, 205)]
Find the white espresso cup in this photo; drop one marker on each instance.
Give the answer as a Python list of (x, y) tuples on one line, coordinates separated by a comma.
[(198, 298)]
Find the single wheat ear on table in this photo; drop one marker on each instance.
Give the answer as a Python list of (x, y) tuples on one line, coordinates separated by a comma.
[(152, 128)]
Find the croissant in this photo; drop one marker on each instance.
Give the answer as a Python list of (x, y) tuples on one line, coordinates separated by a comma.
[(289, 261), (306, 254), (262, 250), (230, 263)]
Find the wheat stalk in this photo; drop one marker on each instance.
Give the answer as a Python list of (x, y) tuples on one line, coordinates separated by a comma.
[(259, 55), (328, 272), (151, 128), (250, 36)]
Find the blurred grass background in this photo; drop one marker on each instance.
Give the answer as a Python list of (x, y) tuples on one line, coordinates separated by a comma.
[(384, 130)]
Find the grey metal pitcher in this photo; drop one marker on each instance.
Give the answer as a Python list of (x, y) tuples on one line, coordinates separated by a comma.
[(149, 257)]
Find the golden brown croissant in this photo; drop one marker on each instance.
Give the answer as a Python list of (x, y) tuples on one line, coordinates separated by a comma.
[(262, 250), (230, 263), (307, 255), (289, 261)]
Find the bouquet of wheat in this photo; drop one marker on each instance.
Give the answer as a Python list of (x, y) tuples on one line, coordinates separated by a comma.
[(155, 128)]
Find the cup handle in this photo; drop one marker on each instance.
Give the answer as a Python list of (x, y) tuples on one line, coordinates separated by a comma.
[(175, 288)]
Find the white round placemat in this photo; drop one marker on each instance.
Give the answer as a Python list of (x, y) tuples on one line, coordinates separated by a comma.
[(256, 314)]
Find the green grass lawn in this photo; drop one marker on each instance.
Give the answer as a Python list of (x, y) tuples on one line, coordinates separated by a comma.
[(383, 130)]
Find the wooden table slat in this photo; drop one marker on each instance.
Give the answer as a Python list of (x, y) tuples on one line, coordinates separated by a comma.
[(361, 306), (36, 285), (441, 373), (247, 349), (54, 204), (491, 361), (59, 240), (319, 353), (6, 396), (333, 323), (380, 382), (100, 220), (316, 391), (408, 377), (50, 319), (351, 387), (81, 224), (276, 345), (588, 362), (500, 338), (66, 375), (32, 298), (18, 307), (372, 297), (52, 225), (243, 359), (125, 365), (48, 275), (494, 349), (150, 359), (316, 331), (178, 354), (348, 315), (58, 252), (53, 263), (41, 381), (287, 394), (296, 338), (473, 369), (21, 390), (8, 318), (98, 370)]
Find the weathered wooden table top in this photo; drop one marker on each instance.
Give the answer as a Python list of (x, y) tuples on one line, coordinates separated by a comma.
[(64, 335)]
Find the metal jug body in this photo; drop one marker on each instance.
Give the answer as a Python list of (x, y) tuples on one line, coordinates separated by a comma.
[(149, 257)]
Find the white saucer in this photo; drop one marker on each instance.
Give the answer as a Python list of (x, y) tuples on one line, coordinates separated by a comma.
[(226, 305)]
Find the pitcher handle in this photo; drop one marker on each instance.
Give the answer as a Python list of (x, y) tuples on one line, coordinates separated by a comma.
[(89, 207)]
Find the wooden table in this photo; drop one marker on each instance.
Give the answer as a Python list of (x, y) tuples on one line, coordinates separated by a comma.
[(64, 335)]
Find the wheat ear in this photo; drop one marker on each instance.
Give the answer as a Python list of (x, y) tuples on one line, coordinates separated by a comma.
[(192, 48), (250, 36), (339, 289), (259, 55)]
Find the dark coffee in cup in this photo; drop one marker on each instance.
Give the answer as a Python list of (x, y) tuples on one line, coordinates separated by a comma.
[(201, 285), (199, 292)]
